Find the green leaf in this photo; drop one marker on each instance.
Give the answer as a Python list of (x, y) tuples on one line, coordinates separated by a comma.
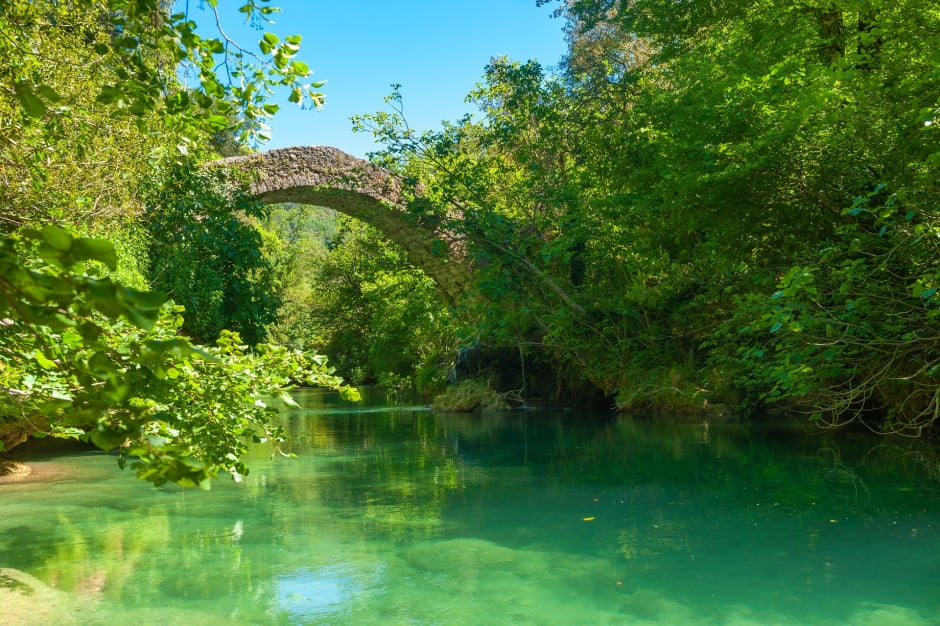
[(288, 400), (101, 250), (43, 362), (143, 299), (49, 93), (176, 347), (350, 394), (107, 439), (217, 122), (268, 42), (89, 332), (110, 94), (57, 238), (144, 319), (101, 365), (28, 99)]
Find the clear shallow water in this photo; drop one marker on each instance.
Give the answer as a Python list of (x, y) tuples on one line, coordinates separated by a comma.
[(402, 517)]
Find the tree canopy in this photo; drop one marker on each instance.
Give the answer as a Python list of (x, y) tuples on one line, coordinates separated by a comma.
[(724, 203), (106, 108)]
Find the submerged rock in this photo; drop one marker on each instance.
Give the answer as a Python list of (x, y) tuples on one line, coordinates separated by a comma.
[(26, 600), (460, 555), (11, 471)]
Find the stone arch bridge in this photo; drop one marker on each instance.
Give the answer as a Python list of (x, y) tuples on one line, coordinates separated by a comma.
[(326, 176)]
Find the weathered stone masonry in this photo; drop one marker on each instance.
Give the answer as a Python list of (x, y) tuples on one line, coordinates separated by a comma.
[(326, 176)]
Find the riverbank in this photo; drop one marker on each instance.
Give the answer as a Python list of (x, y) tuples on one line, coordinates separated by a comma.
[(16, 472), (38, 461)]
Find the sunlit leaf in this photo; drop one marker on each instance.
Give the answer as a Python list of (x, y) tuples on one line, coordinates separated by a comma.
[(57, 238)]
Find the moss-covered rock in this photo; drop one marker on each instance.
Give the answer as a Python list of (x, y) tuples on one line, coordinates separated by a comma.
[(470, 395)]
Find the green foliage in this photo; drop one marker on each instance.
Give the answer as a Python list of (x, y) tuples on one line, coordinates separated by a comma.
[(66, 158), (141, 39), (377, 317), (470, 395), (509, 187), (207, 256), (90, 97), (730, 202), (103, 362), (297, 244), (91, 106), (851, 334), (43, 290)]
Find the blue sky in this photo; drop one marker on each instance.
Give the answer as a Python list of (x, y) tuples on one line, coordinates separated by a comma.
[(436, 50)]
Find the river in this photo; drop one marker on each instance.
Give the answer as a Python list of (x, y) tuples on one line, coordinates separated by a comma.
[(393, 515)]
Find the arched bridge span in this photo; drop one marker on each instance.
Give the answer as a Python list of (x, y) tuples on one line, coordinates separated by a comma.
[(326, 176)]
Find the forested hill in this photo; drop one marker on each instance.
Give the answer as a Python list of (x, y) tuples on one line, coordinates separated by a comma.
[(708, 203)]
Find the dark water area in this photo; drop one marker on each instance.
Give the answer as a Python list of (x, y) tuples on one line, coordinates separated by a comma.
[(394, 515)]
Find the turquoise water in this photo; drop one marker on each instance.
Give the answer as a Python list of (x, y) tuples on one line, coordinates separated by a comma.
[(397, 516)]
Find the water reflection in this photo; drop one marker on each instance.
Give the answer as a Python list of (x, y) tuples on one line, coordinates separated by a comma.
[(401, 516), (307, 594)]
